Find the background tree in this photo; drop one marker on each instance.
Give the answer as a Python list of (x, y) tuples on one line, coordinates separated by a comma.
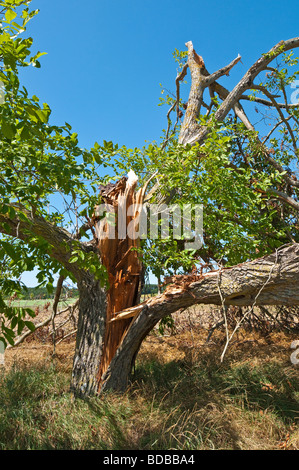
[(247, 184)]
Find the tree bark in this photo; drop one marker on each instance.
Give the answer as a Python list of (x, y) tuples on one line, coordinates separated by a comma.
[(90, 337)]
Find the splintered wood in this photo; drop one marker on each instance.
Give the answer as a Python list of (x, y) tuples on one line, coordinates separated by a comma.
[(120, 256)]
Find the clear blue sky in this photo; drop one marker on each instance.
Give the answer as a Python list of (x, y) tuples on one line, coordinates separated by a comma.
[(106, 58)]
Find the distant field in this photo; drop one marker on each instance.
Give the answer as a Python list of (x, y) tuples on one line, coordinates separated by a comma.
[(41, 303)]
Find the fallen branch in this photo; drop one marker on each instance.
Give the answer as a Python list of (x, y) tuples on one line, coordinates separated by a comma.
[(21, 338), (213, 328), (270, 280)]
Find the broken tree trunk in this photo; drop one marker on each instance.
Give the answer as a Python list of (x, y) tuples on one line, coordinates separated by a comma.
[(118, 244), (270, 280)]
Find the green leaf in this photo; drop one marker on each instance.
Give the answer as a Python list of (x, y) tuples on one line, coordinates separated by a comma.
[(7, 130), (30, 325), (14, 322), (43, 115), (25, 133), (9, 339), (10, 15), (21, 325)]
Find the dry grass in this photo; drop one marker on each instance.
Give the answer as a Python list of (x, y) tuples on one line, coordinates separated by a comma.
[(181, 397)]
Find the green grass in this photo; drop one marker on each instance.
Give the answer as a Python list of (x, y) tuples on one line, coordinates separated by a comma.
[(178, 405)]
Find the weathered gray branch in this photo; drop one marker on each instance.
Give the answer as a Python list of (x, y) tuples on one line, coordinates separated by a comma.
[(198, 134), (257, 99), (223, 71), (199, 82), (285, 198)]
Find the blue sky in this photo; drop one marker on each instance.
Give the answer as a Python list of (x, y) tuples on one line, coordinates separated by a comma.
[(106, 59)]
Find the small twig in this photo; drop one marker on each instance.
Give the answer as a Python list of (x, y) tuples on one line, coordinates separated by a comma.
[(274, 128), (224, 310), (282, 117), (71, 315), (176, 104)]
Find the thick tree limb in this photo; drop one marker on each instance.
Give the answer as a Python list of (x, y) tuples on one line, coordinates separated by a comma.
[(238, 109), (60, 240), (285, 198)]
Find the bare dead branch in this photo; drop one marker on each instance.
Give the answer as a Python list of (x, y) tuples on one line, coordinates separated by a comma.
[(200, 80), (257, 99), (282, 117), (223, 93), (178, 79), (67, 336), (198, 134), (229, 337), (223, 71)]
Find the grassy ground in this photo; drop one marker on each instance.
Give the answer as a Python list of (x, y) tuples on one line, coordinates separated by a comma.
[(181, 397)]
